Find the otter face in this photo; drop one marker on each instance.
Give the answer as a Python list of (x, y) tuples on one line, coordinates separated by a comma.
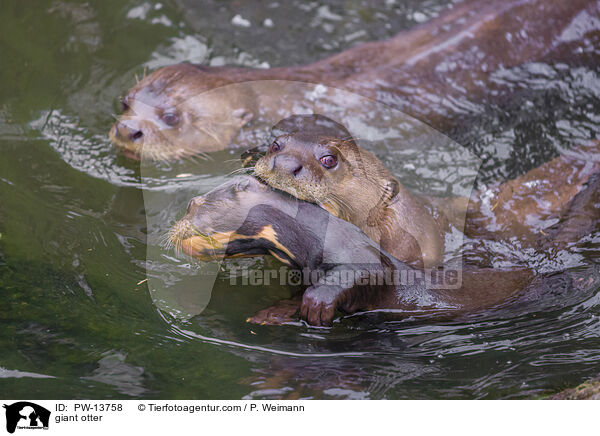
[(309, 166), (151, 125), (216, 221), (174, 113)]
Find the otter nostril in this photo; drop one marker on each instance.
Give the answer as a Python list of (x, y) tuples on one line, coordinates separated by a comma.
[(190, 205), (194, 202), (136, 135), (297, 170)]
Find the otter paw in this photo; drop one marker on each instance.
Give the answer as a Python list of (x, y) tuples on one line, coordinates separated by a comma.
[(318, 307), (281, 313)]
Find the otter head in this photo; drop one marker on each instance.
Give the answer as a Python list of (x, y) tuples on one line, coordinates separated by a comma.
[(179, 111), (233, 220), (316, 160)]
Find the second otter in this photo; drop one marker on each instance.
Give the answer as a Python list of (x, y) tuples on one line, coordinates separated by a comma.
[(184, 110), (246, 218), (328, 168)]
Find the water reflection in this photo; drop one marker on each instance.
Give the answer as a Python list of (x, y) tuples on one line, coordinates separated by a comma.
[(73, 240)]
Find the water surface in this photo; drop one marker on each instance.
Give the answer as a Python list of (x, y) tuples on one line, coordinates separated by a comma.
[(79, 322)]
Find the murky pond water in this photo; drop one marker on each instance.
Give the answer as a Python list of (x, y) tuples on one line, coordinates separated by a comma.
[(79, 322)]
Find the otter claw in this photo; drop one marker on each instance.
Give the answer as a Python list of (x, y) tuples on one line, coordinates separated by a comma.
[(317, 308)]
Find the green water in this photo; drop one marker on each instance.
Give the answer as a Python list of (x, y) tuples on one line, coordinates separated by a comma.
[(76, 321)]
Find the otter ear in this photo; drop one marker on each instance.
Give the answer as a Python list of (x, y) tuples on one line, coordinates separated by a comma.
[(391, 188), (242, 116)]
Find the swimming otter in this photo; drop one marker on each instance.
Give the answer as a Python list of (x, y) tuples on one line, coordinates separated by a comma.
[(243, 217), (353, 184), (170, 113), (333, 171)]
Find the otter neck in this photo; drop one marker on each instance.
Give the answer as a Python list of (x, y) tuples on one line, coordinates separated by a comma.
[(377, 218)]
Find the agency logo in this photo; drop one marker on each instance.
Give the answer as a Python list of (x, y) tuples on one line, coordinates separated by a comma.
[(26, 415)]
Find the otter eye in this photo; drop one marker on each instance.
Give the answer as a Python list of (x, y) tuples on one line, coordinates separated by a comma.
[(170, 118), (328, 161), (275, 147)]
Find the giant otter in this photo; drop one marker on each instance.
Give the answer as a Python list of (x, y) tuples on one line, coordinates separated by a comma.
[(243, 217), (327, 167), (453, 58), (316, 160)]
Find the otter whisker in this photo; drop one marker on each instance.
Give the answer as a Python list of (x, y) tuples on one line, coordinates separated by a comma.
[(198, 156), (341, 203), (239, 171), (235, 160), (165, 241), (172, 241), (189, 153), (194, 159), (211, 241), (212, 134), (156, 156)]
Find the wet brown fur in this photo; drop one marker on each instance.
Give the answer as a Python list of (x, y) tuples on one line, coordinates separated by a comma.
[(418, 71)]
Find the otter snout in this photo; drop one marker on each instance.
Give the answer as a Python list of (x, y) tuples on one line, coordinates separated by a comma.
[(182, 230), (187, 226), (128, 130), (288, 165), (193, 206)]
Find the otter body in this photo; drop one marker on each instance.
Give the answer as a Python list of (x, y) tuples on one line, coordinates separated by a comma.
[(328, 168), (172, 114), (244, 217)]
